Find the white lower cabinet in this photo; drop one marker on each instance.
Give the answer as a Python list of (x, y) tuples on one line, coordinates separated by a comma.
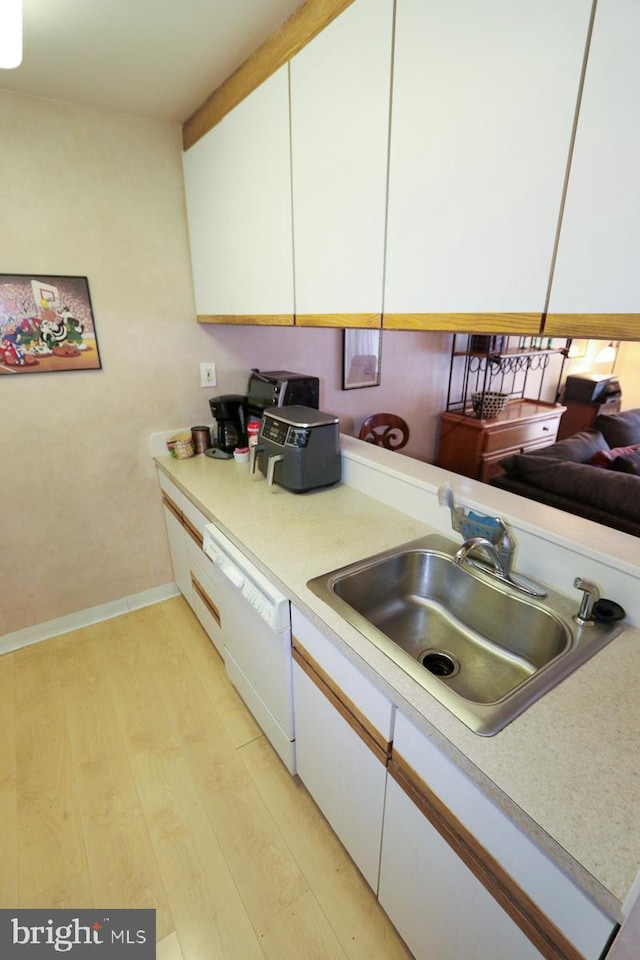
[(343, 728), (204, 599), (194, 574), (436, 903), (174, 502), (458, 879)]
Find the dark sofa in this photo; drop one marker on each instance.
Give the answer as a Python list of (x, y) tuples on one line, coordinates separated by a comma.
[(593, 474)]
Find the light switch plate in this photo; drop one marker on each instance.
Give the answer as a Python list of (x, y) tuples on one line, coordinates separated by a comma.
[(207, 374)]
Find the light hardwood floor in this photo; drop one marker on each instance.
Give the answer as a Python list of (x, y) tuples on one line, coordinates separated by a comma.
[(132, 775)]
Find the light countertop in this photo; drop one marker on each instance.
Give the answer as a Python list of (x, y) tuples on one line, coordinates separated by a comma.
[(566, 770)]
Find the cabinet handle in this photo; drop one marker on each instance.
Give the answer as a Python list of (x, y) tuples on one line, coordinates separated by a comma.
[(208, 602), (171, 507), (371, 737), (195, 534), (542, 932)]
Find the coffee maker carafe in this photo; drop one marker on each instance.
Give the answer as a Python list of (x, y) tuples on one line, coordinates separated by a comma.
[(229, 412)]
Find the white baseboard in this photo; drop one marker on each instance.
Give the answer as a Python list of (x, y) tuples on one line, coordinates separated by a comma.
[(83, 618)]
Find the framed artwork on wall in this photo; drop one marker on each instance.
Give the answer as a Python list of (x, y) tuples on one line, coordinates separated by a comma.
[(361, 358), (46, 324)]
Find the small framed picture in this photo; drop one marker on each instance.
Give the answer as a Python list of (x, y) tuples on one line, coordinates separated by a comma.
[(46, 324), (361, 358)]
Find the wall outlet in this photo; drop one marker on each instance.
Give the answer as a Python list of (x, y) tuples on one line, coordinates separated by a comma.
[(207, 374)]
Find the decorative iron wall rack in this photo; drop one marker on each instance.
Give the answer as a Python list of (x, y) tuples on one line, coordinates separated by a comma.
[(516, 365)]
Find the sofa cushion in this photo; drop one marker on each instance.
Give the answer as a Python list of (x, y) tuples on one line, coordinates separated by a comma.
[(617, 493), (606, 458), (578, 448), (627, 463), (619, 429)]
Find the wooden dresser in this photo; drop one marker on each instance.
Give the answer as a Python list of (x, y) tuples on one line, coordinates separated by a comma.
[(474, 448)]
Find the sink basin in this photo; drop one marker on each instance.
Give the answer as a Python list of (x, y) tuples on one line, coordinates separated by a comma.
[(485, 650)]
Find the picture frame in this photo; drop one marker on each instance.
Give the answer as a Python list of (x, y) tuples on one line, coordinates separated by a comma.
[(361, 358), (46, 324)]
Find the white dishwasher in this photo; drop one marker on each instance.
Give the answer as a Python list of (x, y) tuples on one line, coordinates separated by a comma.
[(256, 635)]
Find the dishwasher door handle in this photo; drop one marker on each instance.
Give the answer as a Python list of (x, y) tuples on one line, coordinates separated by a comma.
[(235, 576)]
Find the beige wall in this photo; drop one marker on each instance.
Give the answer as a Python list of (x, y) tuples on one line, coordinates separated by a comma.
[(88, 193)]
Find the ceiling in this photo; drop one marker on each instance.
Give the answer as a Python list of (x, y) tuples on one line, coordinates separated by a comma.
[(151, 58)]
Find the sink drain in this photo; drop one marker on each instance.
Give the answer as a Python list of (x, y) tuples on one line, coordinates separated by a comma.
[(439, 663)]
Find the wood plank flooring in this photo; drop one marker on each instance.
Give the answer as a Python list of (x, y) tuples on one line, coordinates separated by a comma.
[(132, 775)]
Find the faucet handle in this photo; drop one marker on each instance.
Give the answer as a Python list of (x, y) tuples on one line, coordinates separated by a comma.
[(590, 594), (505, 544)]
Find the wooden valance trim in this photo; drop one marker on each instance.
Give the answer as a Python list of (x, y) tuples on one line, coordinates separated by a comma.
[(368, 321), (593, 326), (248, 319), (514, 323)]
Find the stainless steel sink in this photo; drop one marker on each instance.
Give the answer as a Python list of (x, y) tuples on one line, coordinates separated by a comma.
[(483, 649)]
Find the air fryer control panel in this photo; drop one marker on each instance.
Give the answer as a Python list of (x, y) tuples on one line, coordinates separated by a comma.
[(284, 434)]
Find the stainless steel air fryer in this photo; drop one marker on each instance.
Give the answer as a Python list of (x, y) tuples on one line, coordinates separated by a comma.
[(298, 448)]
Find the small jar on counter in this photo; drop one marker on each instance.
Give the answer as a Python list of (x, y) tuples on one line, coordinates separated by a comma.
[(201, 437), (253, 429)]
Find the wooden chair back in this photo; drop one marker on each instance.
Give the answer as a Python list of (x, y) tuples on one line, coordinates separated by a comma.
[(385, 430)]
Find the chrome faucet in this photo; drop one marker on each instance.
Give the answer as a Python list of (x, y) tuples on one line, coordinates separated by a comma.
[(498, 560), (481, 543)]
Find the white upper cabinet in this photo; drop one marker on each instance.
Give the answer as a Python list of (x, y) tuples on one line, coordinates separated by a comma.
[(339, 133), (484, 98), (599, 249), (238, 192)]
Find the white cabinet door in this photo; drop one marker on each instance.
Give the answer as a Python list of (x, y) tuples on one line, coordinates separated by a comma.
[(175, 503), (341, 773), (178, 549), (367, 699), (439, 908), (437, 903), (343, 728), (340, 87), (484, 97), (599, 249), (238, 193), (207, 592)]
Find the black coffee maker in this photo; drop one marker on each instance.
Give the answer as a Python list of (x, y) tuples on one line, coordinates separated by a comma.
[(230, 413)]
